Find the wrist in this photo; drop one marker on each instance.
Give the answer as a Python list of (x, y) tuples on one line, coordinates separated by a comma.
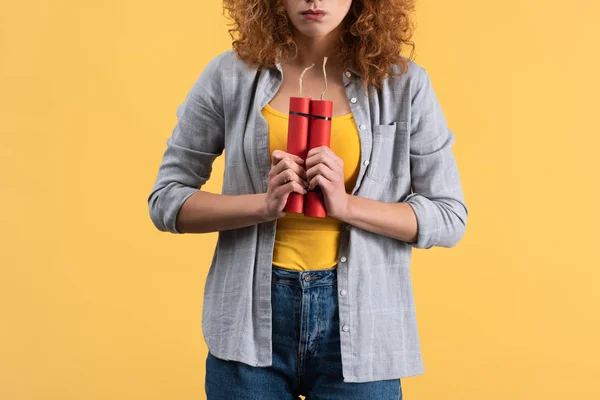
[(260, 207), (345, 211)]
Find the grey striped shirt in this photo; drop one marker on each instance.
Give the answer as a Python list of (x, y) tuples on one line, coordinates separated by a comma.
[(406, 156)]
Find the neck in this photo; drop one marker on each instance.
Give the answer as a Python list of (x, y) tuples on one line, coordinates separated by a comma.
[(313, 49)]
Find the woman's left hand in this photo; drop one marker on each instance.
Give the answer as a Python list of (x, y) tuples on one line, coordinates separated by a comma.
[(326, 170)]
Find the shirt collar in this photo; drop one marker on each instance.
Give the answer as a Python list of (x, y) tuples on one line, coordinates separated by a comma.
[(352, 69)]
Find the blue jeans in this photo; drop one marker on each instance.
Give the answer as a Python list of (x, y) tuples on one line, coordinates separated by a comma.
[(306, 349)]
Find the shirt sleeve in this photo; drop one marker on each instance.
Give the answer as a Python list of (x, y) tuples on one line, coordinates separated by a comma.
[(437, 197), (196, 141)]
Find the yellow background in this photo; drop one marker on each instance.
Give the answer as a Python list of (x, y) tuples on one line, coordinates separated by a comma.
[(95, 303)]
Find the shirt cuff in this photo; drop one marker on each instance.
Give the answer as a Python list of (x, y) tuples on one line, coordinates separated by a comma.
[(428, 221), (171, 200)]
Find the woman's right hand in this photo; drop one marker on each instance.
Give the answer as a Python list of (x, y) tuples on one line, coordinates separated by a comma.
[(287, 175)]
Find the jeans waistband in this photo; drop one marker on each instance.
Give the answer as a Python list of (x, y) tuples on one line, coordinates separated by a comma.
[(304, 279)]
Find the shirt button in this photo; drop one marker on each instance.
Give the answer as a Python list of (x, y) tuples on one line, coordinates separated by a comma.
[(366, 162), (345, 328), (353, 100), (343, 259), (362, 127), (343, 292), (348, 74)]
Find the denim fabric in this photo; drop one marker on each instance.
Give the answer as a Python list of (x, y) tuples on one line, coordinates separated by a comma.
[(306, 349), (406, 156)]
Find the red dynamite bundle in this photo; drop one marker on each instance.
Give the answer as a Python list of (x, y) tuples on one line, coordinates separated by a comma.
[(309, 126)]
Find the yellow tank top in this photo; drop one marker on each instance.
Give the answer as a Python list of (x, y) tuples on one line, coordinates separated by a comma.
[(307, 243)]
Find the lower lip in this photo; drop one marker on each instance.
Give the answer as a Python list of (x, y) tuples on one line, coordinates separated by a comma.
[(313, 16)]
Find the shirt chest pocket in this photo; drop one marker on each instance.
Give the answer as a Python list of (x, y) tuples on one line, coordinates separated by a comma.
[(390, 153)]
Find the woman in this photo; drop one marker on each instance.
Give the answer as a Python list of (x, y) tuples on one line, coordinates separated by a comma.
[(321, 307)]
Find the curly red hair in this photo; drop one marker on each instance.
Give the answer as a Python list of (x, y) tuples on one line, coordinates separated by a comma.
[(375, 32)]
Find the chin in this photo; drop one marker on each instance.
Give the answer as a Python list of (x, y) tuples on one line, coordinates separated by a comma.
[(313, 31)]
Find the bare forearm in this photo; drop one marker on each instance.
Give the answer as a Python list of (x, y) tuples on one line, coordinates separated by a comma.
[(396, 220), (206, 212)]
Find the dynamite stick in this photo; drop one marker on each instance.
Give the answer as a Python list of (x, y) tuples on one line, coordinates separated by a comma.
[(319, 134), (297, 144), (297, 140)]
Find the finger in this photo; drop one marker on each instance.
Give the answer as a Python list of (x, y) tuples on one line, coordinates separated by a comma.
[(325, 156), (316, 150), (288, 188), (328, 152), (289, 175), (287, 163), (327, 167), (321, 181), (279, 155), (322, 175)]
